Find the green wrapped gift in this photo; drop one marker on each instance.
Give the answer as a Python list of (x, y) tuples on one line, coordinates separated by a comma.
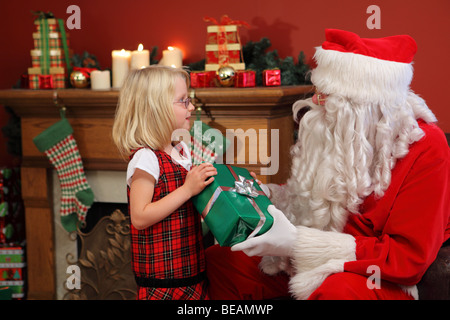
[(234, 207)]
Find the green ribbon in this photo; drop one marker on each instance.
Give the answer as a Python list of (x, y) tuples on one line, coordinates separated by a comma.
[(45, 52), (65, 47)]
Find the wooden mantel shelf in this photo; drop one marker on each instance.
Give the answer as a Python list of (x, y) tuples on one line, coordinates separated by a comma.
[(91, 114), (102, 103)]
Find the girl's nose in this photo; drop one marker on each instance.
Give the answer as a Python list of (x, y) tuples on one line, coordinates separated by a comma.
[(191, 107)]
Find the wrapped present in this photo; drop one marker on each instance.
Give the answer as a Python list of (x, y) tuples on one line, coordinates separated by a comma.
[(223, 44), (16, 288), (272, 77), (218, 33), (225, 30), (11, 255), (244, 79), (51, 22), (233, 206), (56, 79), (12, 270), (56, 58), (51, 54), (202, 79), (55, 40), (229, 53)]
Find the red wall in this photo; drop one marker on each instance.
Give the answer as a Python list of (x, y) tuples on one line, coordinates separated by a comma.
[(291, 25)]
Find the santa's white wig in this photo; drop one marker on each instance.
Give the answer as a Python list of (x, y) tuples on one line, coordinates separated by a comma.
[(347, 148)]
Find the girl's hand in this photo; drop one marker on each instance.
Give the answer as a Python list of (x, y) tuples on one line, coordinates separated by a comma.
[(254, 177), (261, 185), (197, 178)]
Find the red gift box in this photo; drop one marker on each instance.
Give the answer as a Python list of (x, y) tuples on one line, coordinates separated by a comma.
[(218, 34), (245, 79), (223, 55), (55, 80), (202, 79), (272, 77)]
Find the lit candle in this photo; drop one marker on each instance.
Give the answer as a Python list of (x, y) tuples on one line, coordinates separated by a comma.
[(172, 57), (100, 80), (120, 66), (140, 58)]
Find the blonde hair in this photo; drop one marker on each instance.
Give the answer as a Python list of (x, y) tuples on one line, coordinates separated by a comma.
[(144, 114)]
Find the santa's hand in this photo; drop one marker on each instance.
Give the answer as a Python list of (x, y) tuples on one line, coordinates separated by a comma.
[(278, 241)]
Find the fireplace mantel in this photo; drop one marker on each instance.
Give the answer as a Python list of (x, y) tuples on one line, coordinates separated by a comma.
[(91, 114)]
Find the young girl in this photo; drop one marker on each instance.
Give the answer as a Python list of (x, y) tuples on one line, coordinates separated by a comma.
[(166, 237)]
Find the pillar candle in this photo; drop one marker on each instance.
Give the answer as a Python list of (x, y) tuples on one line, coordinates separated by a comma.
[(172, 57), (100, 80), (140, 58), (120, 66)]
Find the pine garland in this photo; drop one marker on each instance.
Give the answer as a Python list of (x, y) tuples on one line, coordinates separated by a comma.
[(257, 58)]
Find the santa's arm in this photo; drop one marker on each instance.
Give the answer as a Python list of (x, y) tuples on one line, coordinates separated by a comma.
[(414, 230), (405, 247)]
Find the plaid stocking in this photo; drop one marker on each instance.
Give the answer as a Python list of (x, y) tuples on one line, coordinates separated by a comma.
[(61, 149)]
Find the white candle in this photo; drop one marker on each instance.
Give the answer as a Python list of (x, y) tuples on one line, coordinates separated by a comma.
[(120, 66), (100, 80), (172, 57), (140, 58)]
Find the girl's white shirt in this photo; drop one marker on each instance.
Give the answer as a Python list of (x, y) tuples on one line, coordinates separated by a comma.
[(145, 159)]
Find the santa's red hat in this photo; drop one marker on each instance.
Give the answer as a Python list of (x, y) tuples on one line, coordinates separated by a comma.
[(364, 70)]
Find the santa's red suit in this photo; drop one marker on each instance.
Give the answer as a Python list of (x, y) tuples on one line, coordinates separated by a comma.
[(369, 220)]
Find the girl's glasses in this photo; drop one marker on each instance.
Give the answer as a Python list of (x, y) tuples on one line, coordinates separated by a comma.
[(186, 102)]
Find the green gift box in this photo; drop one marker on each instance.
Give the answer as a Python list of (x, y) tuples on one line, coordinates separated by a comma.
[(233, 206)]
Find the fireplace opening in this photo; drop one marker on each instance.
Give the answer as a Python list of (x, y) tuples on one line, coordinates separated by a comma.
[(96, 212), (104, 257)]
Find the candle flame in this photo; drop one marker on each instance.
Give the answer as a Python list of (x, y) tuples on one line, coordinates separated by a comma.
[(173, 66), (171, 48), (140, 47)]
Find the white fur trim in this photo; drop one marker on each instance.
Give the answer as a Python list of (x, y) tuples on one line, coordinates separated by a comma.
[(302, 285), (316, 255), (273, 265), (361, 78), (314, 248), (411, 290)]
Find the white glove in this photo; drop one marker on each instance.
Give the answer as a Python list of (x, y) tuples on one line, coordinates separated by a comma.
[(278, 241)]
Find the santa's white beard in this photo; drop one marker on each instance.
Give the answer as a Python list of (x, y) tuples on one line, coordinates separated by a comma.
[(346, 151)]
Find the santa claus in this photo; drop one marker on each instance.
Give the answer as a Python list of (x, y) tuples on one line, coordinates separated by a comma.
[(367, 205)]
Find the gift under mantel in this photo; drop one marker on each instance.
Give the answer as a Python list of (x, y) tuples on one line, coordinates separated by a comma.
[(91, 114)]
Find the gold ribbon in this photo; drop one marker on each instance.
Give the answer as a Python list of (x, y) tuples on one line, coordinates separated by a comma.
[(225, 20)]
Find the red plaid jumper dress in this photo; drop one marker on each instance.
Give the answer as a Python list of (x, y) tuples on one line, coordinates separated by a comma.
[(168, 257)]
